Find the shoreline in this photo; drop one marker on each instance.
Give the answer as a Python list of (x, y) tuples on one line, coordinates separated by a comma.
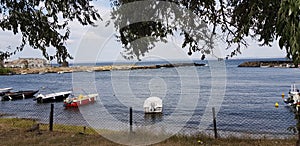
[(281, 64), (44, 70), (59, 70)]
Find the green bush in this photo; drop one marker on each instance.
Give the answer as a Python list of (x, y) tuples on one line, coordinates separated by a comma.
[(5, 71)]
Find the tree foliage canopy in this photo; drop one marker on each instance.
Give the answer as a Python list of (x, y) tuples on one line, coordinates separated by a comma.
[(44, 24), (263, 20)]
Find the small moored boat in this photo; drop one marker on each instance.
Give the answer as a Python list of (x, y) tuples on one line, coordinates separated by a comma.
[(293, 96), (53, 97), (80, 100), (42, 73), (18, 95), (4, 90), (153, 105)]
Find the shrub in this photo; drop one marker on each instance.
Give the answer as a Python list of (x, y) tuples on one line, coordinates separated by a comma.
[(5, 71)]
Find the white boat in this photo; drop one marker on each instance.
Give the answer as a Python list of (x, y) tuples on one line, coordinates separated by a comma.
[(153, 105), (53, 97), (42, 73), (3, 90), (293, 96)]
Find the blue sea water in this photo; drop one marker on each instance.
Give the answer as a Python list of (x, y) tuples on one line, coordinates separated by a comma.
[(247, 105)]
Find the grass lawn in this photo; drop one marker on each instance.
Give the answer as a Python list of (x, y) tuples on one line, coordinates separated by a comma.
[(14, 132)]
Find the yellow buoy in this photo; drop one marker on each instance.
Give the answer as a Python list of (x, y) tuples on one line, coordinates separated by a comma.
[(282, 95), (276, 104), (200, 142), (80, 97)]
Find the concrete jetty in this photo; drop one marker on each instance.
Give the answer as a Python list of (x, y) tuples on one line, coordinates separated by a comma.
[(71, 69)]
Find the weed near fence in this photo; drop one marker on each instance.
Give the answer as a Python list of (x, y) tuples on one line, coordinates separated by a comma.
[(14, 131)]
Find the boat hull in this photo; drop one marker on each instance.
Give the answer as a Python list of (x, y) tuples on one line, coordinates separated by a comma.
[(293, 97), (59, 98), (4, 90), (156, 110), (19, 95), (76, 102)]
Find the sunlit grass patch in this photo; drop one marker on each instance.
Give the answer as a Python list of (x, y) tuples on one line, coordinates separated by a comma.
[(18, 122), (14, 131), (69, 128)]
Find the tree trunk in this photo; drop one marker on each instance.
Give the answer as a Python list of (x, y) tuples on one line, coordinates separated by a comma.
[(298, 141), (1, 63), (296, 64), (65, 64)]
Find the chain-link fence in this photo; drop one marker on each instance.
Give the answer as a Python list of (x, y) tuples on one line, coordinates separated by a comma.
[(235, 124)]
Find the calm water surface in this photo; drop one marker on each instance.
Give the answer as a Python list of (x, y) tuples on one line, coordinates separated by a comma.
[(248, 104)]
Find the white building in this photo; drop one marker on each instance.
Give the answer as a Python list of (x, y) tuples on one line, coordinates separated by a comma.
[(27, 63)]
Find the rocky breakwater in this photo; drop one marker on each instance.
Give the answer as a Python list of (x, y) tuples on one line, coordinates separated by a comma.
[(267, 64), (96, 68)]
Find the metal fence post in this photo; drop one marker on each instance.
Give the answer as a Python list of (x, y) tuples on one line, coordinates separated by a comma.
[(215, 123), (297, 126), (51, 118), (130, 119)]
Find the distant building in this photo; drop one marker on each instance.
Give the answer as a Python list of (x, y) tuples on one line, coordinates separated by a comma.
[(27, 63)]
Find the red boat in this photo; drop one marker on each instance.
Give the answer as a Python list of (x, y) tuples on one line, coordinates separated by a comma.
[(80, 100)]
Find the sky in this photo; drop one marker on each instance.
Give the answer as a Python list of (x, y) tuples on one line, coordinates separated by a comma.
[(89, 44)]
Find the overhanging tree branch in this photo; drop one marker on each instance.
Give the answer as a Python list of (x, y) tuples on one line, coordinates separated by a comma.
[(43, 24)]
